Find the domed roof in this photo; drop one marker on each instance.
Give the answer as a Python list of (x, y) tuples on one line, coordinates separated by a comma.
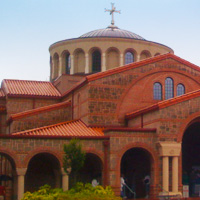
[(113, 32)]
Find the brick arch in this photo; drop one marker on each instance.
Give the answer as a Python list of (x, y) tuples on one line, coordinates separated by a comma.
[(146, 75), (95, 152), (186, 123), (154, 158), (53, 152), (12, 156)]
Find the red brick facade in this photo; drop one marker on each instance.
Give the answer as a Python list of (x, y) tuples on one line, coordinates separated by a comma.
[(119, 100)]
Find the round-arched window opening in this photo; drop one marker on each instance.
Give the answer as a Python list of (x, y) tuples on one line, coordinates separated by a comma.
[(129, 57), (96, 61)]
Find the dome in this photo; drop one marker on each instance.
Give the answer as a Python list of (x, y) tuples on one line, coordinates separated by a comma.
[(112, 31)]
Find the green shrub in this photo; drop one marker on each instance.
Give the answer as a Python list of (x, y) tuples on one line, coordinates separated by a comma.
[(79, 192)]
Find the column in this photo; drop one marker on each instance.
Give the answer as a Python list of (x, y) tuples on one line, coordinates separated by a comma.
[(65, 180), (121, 59), (60, 70), (138, 57), (20, 182), (175, 174), (103, 62), (106, 165), (72, 64), (86, 63), (165, 174)]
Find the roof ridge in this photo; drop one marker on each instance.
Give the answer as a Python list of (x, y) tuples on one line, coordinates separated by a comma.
[(164, 104), (38, 110)]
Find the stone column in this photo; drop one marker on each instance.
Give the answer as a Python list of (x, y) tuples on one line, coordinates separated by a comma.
[(138, 57), (87, 63), (175, 174), (121, 59), (103, 62), (106, 164), (165, 174), (72, 64), (65, 180), (20, 182), (60, 70), (166, 150)]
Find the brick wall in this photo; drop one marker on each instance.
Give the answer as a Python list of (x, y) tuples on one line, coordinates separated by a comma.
[(41, 119), (110, 98)]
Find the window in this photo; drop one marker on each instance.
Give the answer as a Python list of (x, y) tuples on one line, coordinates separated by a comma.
[(96, 61), (129, 58), (157, 91), (67, 63), (180, 89), (169, 88)]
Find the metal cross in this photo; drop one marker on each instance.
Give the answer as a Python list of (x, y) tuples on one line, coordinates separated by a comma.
[(112, 12)]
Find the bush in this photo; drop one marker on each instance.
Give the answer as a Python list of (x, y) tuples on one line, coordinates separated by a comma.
[(79, 192)]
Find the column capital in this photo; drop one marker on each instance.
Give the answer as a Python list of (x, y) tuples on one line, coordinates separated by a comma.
[(169, 148), (64, 173), (21, 171)]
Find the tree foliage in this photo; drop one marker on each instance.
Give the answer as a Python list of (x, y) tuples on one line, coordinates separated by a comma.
[(74, 157)]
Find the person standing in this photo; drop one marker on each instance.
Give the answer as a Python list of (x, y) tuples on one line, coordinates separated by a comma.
[(147, 185)]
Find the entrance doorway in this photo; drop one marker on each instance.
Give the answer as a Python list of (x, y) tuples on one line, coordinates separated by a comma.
[(191, 159), (92, 169), (43, 168), (135, 166)]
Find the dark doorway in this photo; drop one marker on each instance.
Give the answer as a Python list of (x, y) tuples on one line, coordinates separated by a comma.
[(135, 166), (92, 169), (191, 159), (42, 169)]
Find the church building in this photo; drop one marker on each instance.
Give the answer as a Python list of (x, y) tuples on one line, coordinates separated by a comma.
[(133, 104)]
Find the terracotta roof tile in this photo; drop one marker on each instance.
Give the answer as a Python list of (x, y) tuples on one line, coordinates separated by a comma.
[(2, 94), (29, 88), (74, 128), (39, 110), (164, 104)]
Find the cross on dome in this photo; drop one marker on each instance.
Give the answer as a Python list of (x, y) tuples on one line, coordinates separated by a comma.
[(112, 11)]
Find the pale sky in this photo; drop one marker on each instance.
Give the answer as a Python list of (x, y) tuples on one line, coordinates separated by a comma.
[(29, 27)]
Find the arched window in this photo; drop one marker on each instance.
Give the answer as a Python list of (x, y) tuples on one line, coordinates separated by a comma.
[(129, 57), (180, 89), (67, 63), (96, 61), (169, 88), (157, 91)]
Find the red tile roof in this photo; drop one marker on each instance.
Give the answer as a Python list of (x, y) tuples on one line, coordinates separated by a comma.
[(2, 95), (29, 88), (164, 104), (147, 61), (38, 110), (74, 128)]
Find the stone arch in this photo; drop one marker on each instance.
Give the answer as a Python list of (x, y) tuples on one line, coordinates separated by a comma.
[(121, 110), (146, 147), (55, 65), (93, 168), (51, 151), (112, 58), (12, 156), (154, 161), (95, 59), (145, 54), (190, 156), (195, 117), (79, 61), (66, 62), (43, 168), (133, 51)]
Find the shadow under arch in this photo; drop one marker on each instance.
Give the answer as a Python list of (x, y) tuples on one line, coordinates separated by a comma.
[(191, 157), (43, 168), (93, 168)]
